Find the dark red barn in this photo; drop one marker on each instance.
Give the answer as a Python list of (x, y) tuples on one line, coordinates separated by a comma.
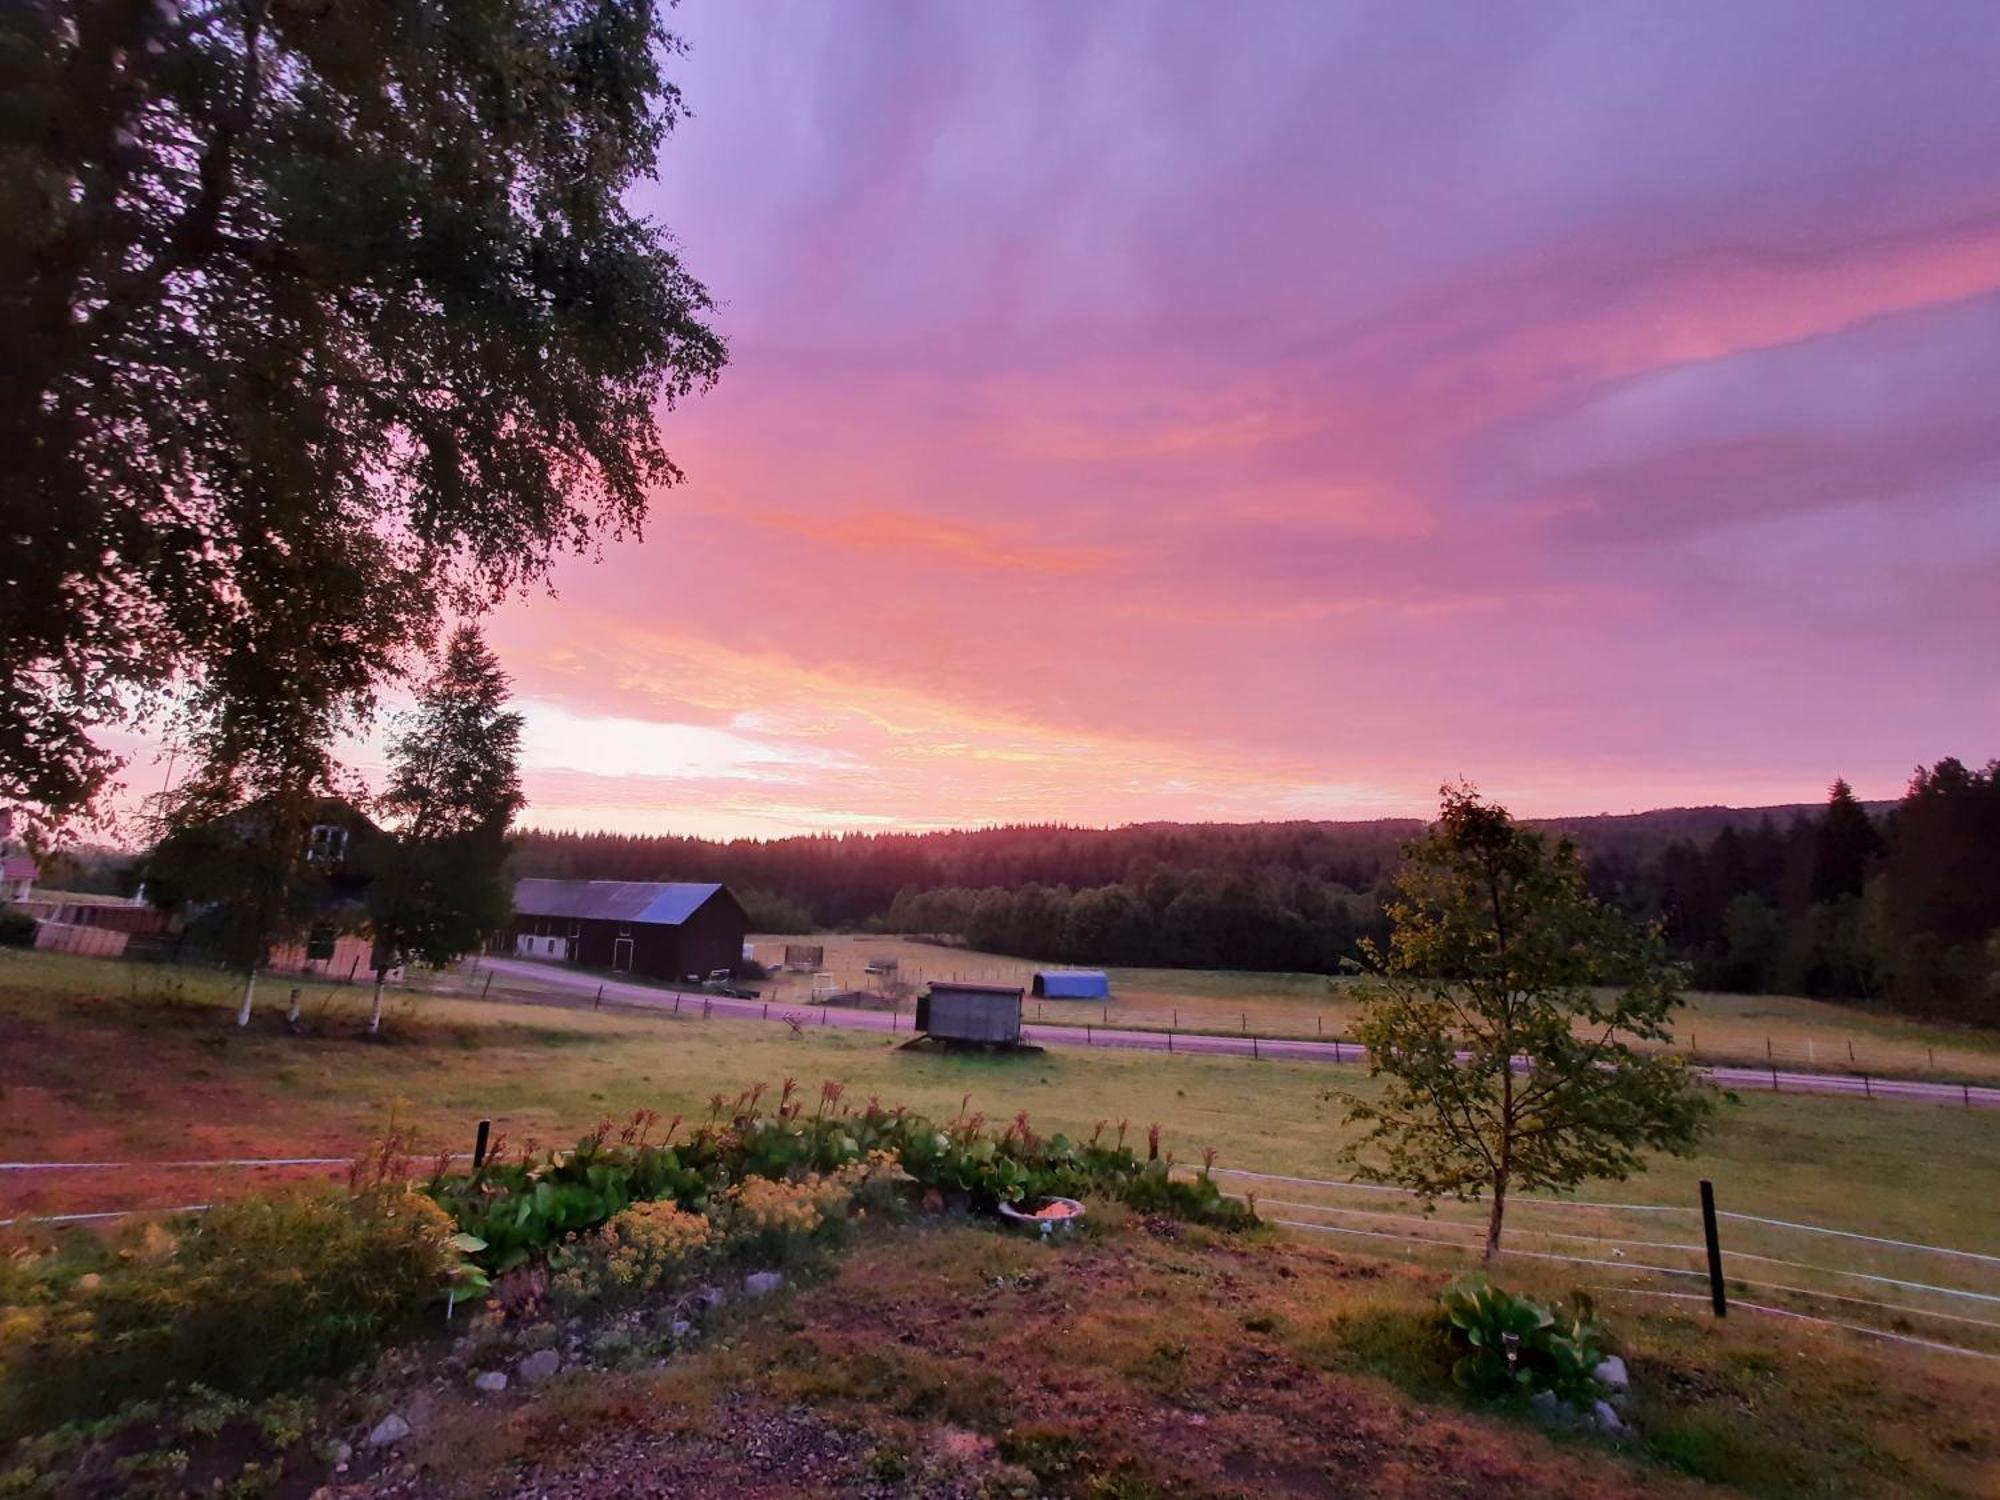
[(672, 930)]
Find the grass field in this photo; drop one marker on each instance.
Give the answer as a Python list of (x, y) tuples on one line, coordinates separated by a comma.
[(1750, 1029), (102, 1060)]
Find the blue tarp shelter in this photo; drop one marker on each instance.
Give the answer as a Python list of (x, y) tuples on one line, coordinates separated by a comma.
[(1072, 984)]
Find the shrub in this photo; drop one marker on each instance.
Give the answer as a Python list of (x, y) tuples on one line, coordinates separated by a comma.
[(765, 1218), (1195, 1199), (249, 1298), (643, 1248), (524, 1208), (17, 928), (1515, 1346)]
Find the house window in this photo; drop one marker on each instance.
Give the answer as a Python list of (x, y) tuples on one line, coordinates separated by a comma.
[(327, 845)]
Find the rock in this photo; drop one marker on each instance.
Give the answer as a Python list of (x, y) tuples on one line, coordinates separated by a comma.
[(1606, 1418), (1544, 1404), (1612, 1372), (711, 1297), (680, 1328), (341, 1452), (391, 1429), (542, 1365), (762, 1283), (490, 1381)]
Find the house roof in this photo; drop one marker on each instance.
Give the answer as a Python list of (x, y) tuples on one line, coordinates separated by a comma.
[(661, 903)]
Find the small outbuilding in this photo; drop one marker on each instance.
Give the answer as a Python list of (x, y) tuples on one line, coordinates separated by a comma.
[(976, 1014), (1072, 984), (669, 930)]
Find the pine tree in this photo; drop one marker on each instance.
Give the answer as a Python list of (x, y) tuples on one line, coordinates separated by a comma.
[(454, 787), (1846, 846)]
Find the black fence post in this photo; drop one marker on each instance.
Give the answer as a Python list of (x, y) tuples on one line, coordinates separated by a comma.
[(1716, 1294), (599, 1001), (479, 1140), (488, 985)]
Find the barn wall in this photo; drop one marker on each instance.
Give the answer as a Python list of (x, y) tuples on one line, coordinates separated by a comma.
[(711, 938)]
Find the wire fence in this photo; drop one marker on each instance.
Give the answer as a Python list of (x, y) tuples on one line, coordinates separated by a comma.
[(1904, 1290)]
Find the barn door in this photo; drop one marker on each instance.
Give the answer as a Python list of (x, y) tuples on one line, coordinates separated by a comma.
[(621, 955)]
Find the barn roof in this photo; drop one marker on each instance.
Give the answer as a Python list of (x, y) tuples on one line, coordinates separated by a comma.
[(1072, 984), (967, 987), (659, 903)]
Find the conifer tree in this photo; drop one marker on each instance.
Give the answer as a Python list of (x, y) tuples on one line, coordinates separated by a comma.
[(454, 787)]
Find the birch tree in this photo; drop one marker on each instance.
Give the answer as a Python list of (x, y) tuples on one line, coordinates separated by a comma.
[(1519, 1027)]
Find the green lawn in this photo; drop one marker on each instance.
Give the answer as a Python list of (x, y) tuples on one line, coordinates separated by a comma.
[(107, 1059), (1789, 1030)]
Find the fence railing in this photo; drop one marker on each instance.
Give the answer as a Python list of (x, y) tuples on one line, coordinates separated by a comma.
[(1903, 1290)]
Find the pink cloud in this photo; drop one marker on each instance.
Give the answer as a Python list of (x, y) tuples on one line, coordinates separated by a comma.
[(1141, 416)]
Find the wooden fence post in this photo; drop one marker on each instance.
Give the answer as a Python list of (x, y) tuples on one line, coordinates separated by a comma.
[(1716, 1294), (479, 1139)]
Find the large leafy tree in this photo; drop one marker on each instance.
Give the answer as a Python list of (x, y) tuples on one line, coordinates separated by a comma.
[(1513, 1020), (321, 313), (454, 787)]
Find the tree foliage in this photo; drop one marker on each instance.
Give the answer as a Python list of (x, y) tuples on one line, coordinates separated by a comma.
[(1502, 1019), (320, 320), (454, 787)]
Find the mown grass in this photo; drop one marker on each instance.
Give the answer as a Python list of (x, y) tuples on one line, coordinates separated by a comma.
[(1746, 1029), (102, 1060)]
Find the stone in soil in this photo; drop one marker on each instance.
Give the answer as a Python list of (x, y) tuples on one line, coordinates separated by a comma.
[(391, 1429), (1606, 1418), (490, 1381), (1612, 1372), (542, 1365), (762, 1283)]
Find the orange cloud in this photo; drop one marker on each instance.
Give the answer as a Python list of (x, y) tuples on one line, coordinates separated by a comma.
[(908, 534)]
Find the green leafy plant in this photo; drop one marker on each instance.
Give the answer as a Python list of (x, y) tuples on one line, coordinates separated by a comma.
[(247, 1299), (1516, 1346)]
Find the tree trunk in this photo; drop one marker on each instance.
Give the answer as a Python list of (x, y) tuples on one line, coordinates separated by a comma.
[(249, 992), (375, 1014), (1493, 1221)]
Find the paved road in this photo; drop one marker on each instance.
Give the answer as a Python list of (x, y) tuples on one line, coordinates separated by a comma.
[(552, 978)]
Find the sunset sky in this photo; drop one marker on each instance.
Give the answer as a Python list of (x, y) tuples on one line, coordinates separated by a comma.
[(1263, 411)]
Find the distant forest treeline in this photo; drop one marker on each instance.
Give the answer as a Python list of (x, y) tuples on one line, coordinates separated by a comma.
[(1898, 902)]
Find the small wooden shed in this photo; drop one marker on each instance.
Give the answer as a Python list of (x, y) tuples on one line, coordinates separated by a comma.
[(984, 1014)]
